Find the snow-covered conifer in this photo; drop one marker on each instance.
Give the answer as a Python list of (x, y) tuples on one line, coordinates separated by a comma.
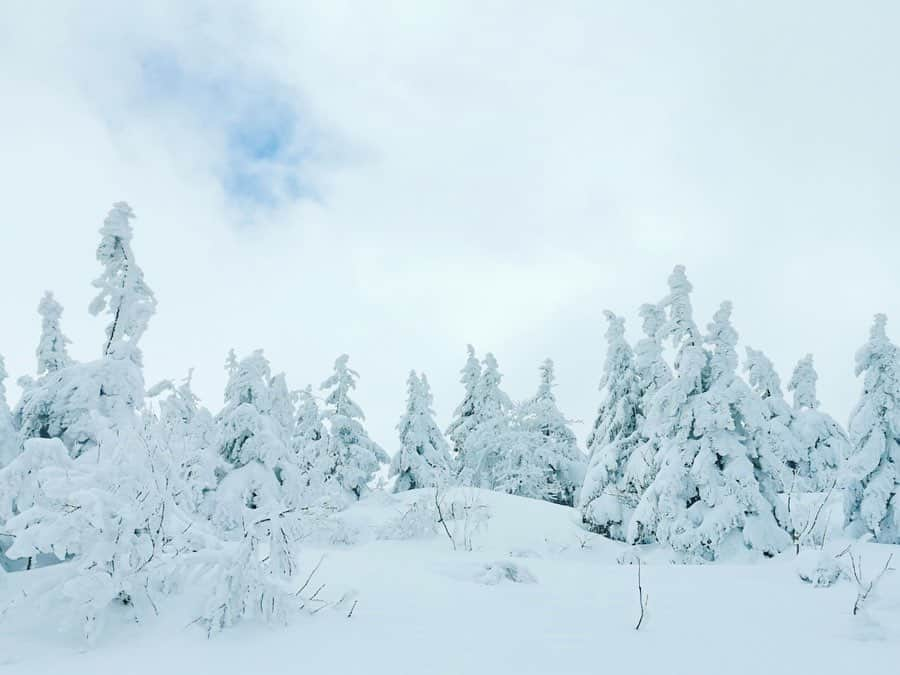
[(606, 498), (803, 384), (122, 292), (713, 491), (776, 434), (189, 432), (423, 459), (77, 402), (353, 456), (541, 458), (283, 402), (651, 368), (464, 416), (484, 446), (308, 427), (824, 441), (653, 373), (253, 442), (9, 444), (310, 443), (873, 468), (51, 350)]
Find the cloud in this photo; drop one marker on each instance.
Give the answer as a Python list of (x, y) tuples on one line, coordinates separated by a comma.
[(395, 180)]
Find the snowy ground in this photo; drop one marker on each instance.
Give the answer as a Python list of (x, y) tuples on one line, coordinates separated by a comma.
[(424, 608)]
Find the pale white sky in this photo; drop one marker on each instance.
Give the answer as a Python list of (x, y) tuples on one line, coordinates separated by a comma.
[(394, 180)]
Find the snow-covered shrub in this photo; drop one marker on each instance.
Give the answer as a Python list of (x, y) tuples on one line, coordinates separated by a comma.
[(110, 511), (462, 515), (819, 568), (256, 577), (493, 573), (418, 520)]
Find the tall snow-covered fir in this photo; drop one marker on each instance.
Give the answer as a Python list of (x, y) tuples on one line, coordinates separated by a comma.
[(464, 418), (423, 459), (873, 468), (79, 402), (606, 498), (776, 433), (253, 441), (483, 449), (121, 290), (51, 351), (353, 456), (653, 373), (824, 441), (9, 445)]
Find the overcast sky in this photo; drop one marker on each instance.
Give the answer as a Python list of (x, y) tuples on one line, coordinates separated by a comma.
[(396, 180)]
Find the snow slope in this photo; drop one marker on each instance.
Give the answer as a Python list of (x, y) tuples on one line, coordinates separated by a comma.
[(424, 608)]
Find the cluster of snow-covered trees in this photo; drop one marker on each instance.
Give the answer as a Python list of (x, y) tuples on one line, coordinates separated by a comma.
[(695, 457), (140, 491)]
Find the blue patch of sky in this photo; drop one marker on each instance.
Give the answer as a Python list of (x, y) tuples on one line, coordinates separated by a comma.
[(268, 143)]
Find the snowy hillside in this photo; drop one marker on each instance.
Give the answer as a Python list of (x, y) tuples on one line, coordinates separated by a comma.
[(423, 608)]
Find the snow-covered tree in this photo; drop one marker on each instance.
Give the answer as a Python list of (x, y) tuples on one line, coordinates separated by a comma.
[(423, 459), (824, 441), (308, 427), (352, 456), (9, 444), (803, 384), (51, 350), (484, 446), (541, 457), (189, 432), (606, 498), (76, 402), (873, 467), (310, 441), (651, 368), (653, 373), (263, 472), (283, 401), (464, 416), (121, 290), (776, 434), (713, 492)]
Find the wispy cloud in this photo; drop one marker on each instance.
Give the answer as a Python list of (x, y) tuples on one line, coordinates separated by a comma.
[(268, 143)]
